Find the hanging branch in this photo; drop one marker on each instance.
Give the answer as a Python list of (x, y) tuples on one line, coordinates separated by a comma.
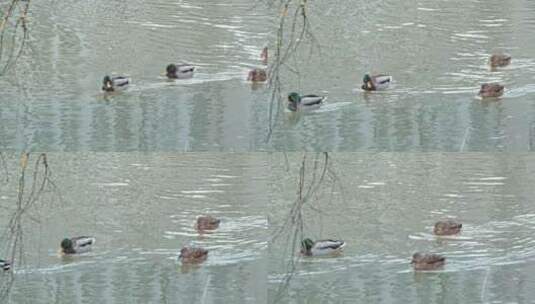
[(26, 200), (14, 20), (285, 49)]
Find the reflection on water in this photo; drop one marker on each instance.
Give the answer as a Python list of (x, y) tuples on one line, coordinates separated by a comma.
[(141, 208), (436, 51), (385, 206)]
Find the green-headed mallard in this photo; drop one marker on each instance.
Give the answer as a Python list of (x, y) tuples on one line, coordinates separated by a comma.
[(75, 245), (427, 261), (376, 82), (193, 255), (321, 247), (491, 90), (179, 71), (499, 60), (264, 55), (297, 102), (207, 223), (257, 75), (447, 228), (111, 84), (5, 265)]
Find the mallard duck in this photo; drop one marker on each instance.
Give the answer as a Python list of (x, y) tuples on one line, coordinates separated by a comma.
[(257, 75), (179, 71), (193, 255), (296, 101), (264, 55), (322, 247), (111, 84), (75, 245), (499, 60), (5, 265), (491, 90), (447, 228), (207, 223), (427, 261), (376, 82)]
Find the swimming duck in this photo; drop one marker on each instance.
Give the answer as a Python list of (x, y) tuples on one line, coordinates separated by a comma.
[(499, 60), (193, 255), (296, 101), (110, 84), (376, 82), (179, 71), (75, 245), (427, 261), (257, 75), (322, 247), (264, 55), (5, 265), (447, 228), (491, 90), (207, 223)]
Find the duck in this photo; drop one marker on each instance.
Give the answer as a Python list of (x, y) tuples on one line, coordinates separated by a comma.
[(499, 60), (264, 55), (5, 265), (427, 261), (193, 255), (447, 228), (207, 223), (257, 75), (76, 245), (376, 82), (179, 71), (296, 101), (111, 84), (321, 247), (491, 90)]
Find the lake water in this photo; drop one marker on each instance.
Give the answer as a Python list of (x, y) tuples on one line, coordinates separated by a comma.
[(437, 52), (384, 206), (141, 208)]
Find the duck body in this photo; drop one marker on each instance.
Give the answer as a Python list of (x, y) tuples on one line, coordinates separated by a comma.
[(491, 90), (193, 255), (5, 265), (321, 247), (112, 84), (376, 82), (207, 223), (427, 261), (297, 102), (77, 245), (499, 60), (180, 71), (257, 75), (447, 228)]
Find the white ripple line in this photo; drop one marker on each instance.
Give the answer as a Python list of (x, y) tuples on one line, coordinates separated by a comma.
[(205, 291), (484, 287), (465, 138)]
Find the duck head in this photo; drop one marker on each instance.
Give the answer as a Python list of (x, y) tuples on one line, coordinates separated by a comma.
[(367, 83), (67, 246), (306, 245), (293, 100), (171, 71), (107, 84)]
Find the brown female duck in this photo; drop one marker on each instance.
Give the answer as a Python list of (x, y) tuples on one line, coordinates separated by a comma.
[(499, 60), (193, 255), (207, 223), (491, 90), (447, 228), (427, 261)]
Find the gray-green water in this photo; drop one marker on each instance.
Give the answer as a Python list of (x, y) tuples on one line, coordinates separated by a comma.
[(437, 52), (141, 209), (384, 206)]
